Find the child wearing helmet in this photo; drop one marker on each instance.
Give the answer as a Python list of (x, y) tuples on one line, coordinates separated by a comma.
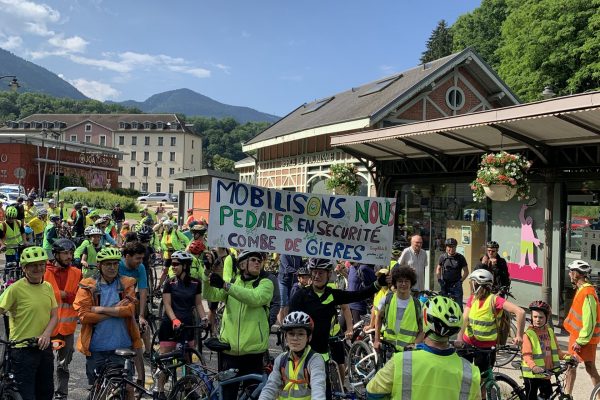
[(33, 312), (88, 250), (298, 373), (303, 280), (540, 351), (436, 371), (12, 234)]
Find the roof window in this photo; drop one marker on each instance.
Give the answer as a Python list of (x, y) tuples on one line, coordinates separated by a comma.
[(379, 86), (308, 108)]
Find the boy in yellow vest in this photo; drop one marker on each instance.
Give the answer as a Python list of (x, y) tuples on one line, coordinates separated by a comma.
[(300, 372), (540, 352)]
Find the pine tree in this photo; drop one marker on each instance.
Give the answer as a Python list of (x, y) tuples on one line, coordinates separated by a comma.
[(439, 44)]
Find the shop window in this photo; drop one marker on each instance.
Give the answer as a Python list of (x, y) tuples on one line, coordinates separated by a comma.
[(455, 98)]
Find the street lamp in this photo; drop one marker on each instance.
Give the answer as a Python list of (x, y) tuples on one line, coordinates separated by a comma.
[(56, 136), (14, 84)]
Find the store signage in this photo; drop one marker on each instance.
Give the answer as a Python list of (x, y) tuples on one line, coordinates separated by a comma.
[(351, 228), (314, 158), (3, 157), (95, 159)]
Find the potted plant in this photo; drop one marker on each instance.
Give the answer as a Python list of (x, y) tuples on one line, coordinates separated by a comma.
[(344, 179), (501, 176)]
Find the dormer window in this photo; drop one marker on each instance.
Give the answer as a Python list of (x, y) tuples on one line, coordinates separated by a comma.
[(88, 127), (147, 125), (160, 125), (134, 124)]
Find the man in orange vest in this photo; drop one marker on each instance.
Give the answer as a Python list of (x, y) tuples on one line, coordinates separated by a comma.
[(64, 279), (583, 323)]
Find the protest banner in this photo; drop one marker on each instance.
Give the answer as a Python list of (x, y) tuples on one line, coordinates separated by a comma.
[(351, 228)]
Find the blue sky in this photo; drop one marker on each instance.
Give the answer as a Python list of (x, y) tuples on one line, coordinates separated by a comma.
[(269, 55)]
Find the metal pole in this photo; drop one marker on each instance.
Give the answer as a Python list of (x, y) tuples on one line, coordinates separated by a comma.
[(547, 272)]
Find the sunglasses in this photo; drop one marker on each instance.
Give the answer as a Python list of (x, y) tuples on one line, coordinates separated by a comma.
[(175, 263), (254, 259)]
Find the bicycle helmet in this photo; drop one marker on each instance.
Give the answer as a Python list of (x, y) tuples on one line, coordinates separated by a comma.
[(196, 247), (198, 228), (482, 277), (492, 245), (182, 256), (168, 224), (11, 212), (245, 254), (580, 266), (33, 254), (542, 306), (54, 218), (95, 231), (145, 233), (442, 316), (163, 219), (100, 221), (303, 271), (41, 212), (149, 221), (51, 201), (298, 319), (451, 242), (320, 263), (108, 253), (63, 245), (398, 246)]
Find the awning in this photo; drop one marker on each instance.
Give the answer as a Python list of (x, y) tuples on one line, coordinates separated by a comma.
[(569, 120)]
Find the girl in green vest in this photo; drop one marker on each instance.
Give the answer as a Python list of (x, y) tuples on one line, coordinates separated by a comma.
[(540, 352), (298, 373)]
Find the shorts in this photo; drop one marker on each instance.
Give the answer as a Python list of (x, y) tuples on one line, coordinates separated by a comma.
[(587, 352), (483, 360), (166, 333)]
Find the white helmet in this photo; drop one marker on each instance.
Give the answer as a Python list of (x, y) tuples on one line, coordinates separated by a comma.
[(163, 219), (182, 256), (168, 224), (482, 277), (94, 231), (580, 266), (42, 211)]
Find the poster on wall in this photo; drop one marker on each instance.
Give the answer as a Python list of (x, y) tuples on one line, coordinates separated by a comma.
[(465, 236), (527, 269), (351, 228)]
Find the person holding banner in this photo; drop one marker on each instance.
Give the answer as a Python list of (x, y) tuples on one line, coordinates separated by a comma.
[(245, 325)]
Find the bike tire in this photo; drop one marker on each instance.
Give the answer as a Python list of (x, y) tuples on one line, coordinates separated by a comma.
[(509, 388), (334, 377), (503, 357), (190, 387), (359, 371), (10, 394), (595, 392)]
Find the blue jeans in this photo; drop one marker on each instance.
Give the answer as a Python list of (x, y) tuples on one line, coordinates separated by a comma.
[(454, 291), (98, 360)]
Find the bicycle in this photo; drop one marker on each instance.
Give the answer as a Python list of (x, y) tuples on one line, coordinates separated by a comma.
[(558, 384), (497, 386), (200, 331)]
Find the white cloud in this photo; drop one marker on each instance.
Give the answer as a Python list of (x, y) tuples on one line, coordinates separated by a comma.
[(94, 89), (11, 43), (197, 72), (22, 16), (224, 68), (102, 64), (74, 44)]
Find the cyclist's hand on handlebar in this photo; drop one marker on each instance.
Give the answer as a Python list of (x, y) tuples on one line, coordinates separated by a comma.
[(44, 342), (538, 370), (376, 344), (518, 340), (348, 334), (176, 324)]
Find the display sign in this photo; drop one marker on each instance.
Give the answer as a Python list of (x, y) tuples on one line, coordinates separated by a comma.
[(351, 228)]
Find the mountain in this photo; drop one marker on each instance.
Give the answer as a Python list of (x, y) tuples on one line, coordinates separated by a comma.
[(36, 79), (193, 104)]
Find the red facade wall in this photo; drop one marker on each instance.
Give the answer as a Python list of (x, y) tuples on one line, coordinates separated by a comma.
[(95, 133)]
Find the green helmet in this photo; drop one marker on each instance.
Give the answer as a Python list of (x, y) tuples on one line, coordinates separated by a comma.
[(442, 316), (33, 254), (11, 212), (108, 253)]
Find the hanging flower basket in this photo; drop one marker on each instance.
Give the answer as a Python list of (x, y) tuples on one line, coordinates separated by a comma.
[(501, 176)]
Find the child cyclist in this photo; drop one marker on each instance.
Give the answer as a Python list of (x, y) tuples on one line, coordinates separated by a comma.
[(540, 352), (298, 373)]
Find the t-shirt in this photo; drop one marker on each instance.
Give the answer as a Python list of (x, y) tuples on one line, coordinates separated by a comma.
[(29, 306), (499, 304), (183, 298), (401, 305), (37, 225), (138, 273), (418, 262), (355, 283), (452, 266), (111, 333)]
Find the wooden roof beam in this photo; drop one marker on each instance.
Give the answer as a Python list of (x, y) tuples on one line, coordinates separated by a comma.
[(435, 154), (539, 149)]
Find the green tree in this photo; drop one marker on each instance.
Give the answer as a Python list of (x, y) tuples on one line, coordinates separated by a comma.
[(550, 42), (223, 164), (439, 44), (480, 29)]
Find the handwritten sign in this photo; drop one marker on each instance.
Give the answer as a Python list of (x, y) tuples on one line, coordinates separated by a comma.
[(350, 228)]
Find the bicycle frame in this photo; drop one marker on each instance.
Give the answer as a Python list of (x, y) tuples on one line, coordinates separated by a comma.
[(218, 388)]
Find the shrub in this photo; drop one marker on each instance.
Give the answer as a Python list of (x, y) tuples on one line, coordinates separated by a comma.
[(344, 179), (104, 200)]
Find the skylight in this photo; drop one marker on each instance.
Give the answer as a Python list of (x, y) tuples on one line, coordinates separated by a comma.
[(379, 86), (316, 105)]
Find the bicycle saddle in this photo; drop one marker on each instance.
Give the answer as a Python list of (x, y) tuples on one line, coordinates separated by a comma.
[(125, 353), (213, 344)]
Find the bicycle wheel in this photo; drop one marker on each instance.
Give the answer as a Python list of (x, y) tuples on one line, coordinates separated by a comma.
[(334, 377), (509, 388), (190, 387), (10, 394), (505, 356), (595, 393), (361, 366)]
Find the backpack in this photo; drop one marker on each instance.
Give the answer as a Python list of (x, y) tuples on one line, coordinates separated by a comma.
[(417, 303), (284, 360)]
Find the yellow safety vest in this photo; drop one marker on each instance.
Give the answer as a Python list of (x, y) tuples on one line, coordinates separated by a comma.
[(335, 322), (175, 243), (296, 385), (12, 236), (401, 332), (483, 321), (538, 353), (423, 375)]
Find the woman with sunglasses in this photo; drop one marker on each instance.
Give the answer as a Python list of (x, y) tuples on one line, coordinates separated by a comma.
[(497, 265), (181, 294)]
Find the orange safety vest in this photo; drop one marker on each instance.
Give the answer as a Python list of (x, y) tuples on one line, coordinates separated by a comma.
[(67, 316), (573, 323)]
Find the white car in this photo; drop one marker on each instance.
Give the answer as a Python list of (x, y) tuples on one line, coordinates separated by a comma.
[(157, 196), (74, 189), (8, 188)]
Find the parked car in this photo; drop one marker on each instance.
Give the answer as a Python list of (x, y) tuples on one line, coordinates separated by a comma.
[(10, 188), (74, 189), (9, 197), (580, 222), (157, 196)]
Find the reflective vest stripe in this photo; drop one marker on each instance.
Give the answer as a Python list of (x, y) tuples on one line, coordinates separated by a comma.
[(484, 323), (407, 375), (405, 330), (574, 321), (295, 384), (538, 353), (467, 377), (483, 320)]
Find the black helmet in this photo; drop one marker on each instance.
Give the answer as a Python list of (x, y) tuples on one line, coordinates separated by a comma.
[(303, 271), (63, 245), (149, 221), (145, 233), (492, 245), (77, 205), (451, 242)]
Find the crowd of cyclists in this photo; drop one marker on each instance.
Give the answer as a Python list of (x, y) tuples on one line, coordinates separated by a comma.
[(83, 267)]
